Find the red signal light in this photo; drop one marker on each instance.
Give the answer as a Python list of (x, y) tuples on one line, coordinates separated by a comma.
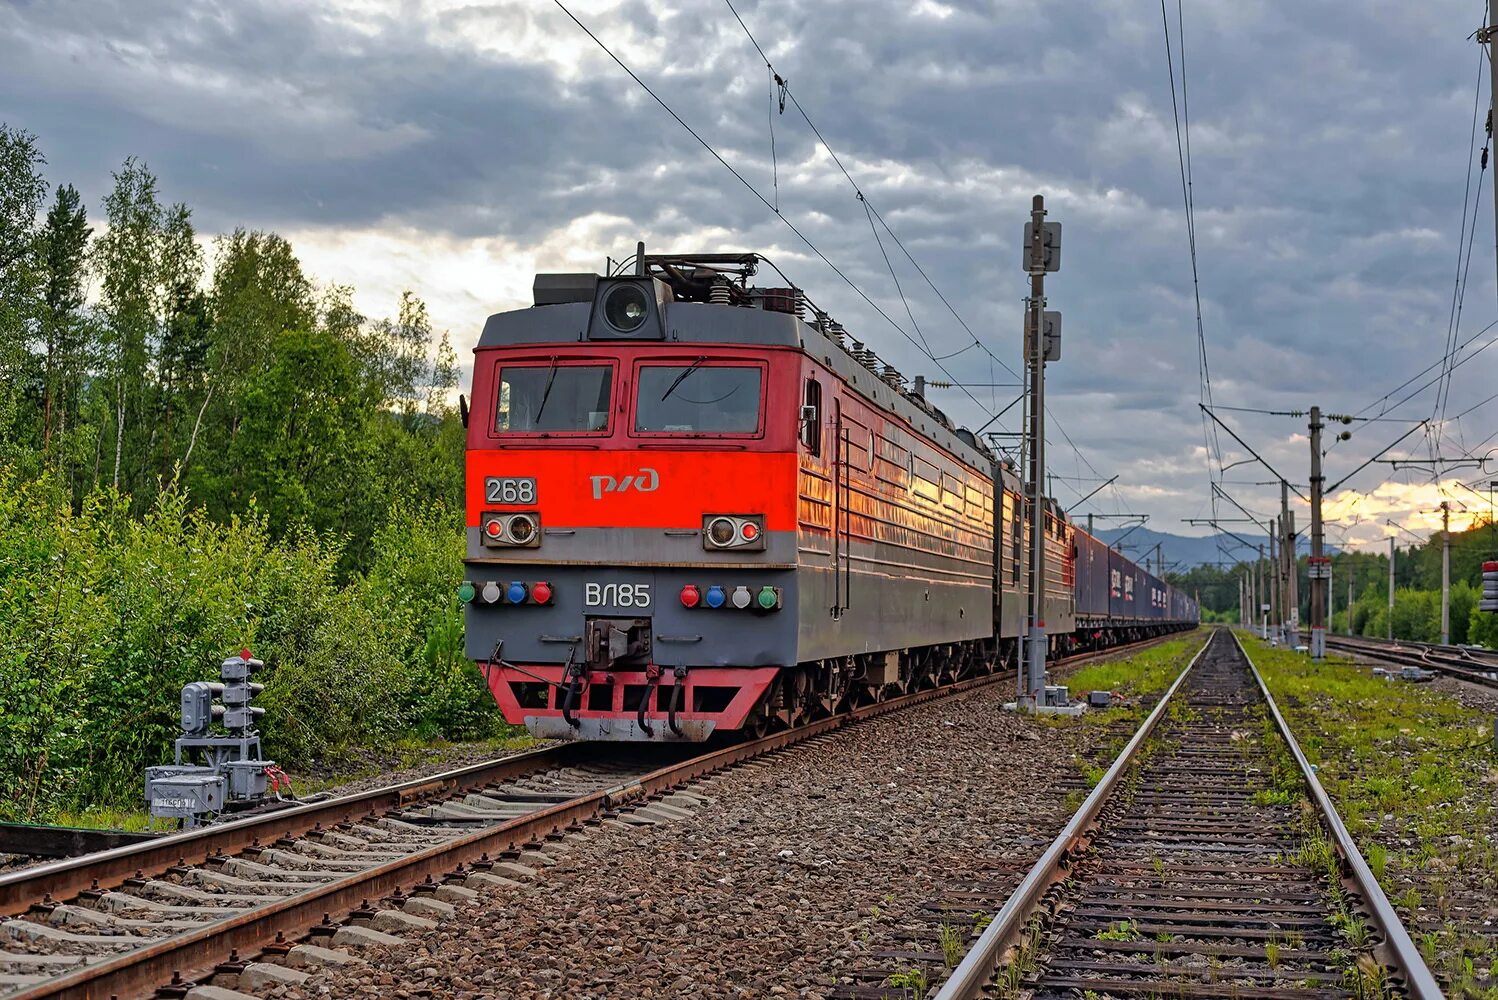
[(541, 592), (494, 528), (690, 596), (749, 531)]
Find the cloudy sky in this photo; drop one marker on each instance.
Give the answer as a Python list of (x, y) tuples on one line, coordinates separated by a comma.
[(455, 147)]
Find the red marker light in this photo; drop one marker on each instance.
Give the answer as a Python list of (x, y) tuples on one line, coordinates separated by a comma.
[(749, 531), (541, 593), (494, 529), (690, 596)]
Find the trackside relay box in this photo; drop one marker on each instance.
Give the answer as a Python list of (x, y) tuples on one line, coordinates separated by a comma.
[(219, 730)]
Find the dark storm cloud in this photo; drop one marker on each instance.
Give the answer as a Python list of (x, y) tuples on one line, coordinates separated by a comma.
[(1328, 155)]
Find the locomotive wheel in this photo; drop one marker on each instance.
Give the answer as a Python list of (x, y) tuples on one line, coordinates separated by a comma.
[(755, 726)]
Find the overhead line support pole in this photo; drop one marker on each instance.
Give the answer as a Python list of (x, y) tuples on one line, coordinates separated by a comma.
[(1036, 644), (1287, 555), (1320, 584), (1445, 573), (1261, 604), (1275, 578), (1392, 540)]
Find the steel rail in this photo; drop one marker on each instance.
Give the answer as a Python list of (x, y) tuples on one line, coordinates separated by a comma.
[(62, 879), (1432, 655), (1396, 951), (977, 968), (197, 951)]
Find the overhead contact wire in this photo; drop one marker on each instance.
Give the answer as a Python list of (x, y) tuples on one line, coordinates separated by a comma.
[(758, 194), (869, 207)]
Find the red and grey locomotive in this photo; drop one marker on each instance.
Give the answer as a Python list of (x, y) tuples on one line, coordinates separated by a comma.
[(690, 510)]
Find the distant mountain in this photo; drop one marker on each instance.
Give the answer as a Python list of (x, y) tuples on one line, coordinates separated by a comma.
[(1181, 552)]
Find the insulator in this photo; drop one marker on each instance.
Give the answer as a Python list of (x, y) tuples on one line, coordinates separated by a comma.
[(718, 295), (799, 302)]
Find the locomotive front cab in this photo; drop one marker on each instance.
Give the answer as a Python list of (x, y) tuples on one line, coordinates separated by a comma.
[(631, 512)]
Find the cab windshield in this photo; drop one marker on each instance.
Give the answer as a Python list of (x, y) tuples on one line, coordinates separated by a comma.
[(698, 398), (553, 398)]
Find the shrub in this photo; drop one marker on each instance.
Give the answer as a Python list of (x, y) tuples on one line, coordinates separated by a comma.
[(103, 617)]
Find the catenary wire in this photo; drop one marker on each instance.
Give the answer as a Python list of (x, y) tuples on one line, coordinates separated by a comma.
[(757, 193), (1468, 232), (874, 211)]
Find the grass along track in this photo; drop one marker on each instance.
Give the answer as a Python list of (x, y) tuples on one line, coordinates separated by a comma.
[(1208, 862), (1415, 776)]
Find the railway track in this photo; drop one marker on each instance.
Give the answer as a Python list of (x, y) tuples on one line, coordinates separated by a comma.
[(245, 898), (1208, 862), (1473, 666)]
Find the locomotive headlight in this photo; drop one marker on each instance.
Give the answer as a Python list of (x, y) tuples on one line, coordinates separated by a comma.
[(625, 308), (733, 531), (721, 532), (522, 528), (499, 529)]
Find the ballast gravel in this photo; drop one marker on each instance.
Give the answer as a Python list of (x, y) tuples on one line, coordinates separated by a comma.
[(426, 762), (798, 877)]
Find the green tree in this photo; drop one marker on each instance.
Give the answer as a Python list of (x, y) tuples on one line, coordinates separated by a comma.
[(395, 354), (65, 329), (445, 377), (1482, 628), (127, 257), (182, 358), (299, 431), (258, 292), (22, 189)]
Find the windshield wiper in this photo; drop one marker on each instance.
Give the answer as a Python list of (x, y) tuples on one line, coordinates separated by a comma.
[(682, 377), (551, 378)]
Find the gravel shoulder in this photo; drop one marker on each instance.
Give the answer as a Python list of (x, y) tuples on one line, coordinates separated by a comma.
[(854, 859)]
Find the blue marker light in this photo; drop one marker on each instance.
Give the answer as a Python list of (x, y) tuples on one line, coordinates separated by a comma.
[(714, 598), (516, 593)]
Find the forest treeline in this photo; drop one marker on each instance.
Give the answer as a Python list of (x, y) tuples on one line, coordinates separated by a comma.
[(1417, 589), (200, 452)]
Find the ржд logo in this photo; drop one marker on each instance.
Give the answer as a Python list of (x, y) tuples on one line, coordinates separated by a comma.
[(646, 481)]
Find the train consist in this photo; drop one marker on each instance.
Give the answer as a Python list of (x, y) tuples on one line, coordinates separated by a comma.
[(691, 510)]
